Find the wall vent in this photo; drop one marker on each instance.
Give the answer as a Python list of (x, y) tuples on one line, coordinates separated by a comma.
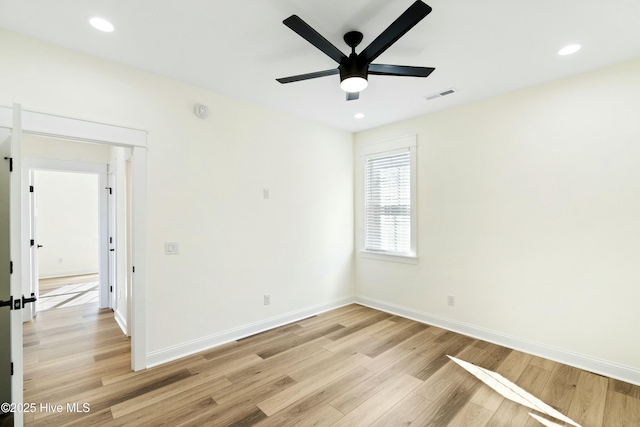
[(441, 94)]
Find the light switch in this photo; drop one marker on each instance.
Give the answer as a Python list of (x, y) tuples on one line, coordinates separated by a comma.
[(171, 248)]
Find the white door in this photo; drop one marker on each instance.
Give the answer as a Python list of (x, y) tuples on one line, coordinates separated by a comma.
[(111, 190), (34, 245), (11, 295), (6, 302)]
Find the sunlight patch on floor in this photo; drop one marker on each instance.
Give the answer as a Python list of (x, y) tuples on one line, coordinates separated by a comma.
[(512, 392), (69, 296)]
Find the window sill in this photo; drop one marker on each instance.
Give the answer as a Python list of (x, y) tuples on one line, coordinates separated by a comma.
[(405, 259)]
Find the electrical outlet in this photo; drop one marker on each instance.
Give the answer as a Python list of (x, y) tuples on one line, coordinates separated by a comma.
[(451, 300), (267, 299), (265, 193)]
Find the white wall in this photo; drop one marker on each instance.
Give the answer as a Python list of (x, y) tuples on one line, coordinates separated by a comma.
[(529, 213), (205, 182), (60, 149), (67, 211)]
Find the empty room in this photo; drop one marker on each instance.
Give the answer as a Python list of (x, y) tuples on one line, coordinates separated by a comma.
[(363, 213)]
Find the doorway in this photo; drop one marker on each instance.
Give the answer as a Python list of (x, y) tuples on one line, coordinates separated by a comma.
[(65, 236), (17, 122)]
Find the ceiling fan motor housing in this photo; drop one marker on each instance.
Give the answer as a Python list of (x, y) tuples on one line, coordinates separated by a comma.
[(353, 66)]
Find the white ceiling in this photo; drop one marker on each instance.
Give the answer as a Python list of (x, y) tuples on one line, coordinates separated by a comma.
[(238, 48)]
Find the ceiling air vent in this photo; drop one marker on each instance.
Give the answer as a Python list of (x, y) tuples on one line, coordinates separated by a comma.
[(441, 94)]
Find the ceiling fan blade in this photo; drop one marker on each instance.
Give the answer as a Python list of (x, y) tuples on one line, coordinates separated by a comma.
[(399, 70), (416, 12), (308, 76), (352, 96), (312, 36)]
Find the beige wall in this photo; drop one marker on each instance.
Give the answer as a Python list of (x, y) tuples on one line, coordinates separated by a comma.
[(205, 187), (67, 215), (60, 149), (529, 214)]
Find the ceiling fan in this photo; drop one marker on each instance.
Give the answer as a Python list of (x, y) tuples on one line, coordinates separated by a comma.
[(355, 68)]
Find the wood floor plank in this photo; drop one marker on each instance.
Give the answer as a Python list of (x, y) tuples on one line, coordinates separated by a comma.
[(323, 416), (390, 341), (352, 398), (381, 370), (257, 393), (533, 379), (621, 410), (412, 345), (512, 367), (624, 388), (471, 415), (322, 361), (212, 383), (254, 388), (444, 379), (560, 389), (377, 405), (363, 324), (305, 407), (293, 359), (587, 405), (404, 412), (302, 389), (187, 405)]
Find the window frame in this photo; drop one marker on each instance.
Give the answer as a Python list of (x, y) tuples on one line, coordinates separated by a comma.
[(382, 149)]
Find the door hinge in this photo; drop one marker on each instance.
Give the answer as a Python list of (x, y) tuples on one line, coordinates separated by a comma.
[(11, 368), (110, 189), (10, 267), (10, 163), (110, 288), (33, 242), (110, 239), (134, 269), (8, 303), (31, 189)]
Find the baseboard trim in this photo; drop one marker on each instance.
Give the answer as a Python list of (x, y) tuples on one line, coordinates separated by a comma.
[(121, 322), (587, 363), (66, 274), (175, 352)]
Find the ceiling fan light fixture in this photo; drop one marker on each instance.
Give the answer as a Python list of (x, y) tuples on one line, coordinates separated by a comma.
[(354, 84)]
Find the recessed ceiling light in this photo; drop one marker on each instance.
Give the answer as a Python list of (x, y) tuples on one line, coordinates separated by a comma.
[(359, 116), (568, 50), (101, 24)]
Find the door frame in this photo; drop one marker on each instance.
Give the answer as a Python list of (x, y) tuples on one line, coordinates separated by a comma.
[(31, 165), (98, 133)]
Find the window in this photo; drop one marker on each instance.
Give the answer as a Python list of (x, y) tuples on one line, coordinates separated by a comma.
[(389, 199)]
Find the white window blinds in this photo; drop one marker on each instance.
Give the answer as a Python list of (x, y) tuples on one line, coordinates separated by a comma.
[(388, 203)]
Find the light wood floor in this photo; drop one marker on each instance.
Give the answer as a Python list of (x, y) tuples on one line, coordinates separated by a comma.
[(61, 292), (55, 283), (353, 366)]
